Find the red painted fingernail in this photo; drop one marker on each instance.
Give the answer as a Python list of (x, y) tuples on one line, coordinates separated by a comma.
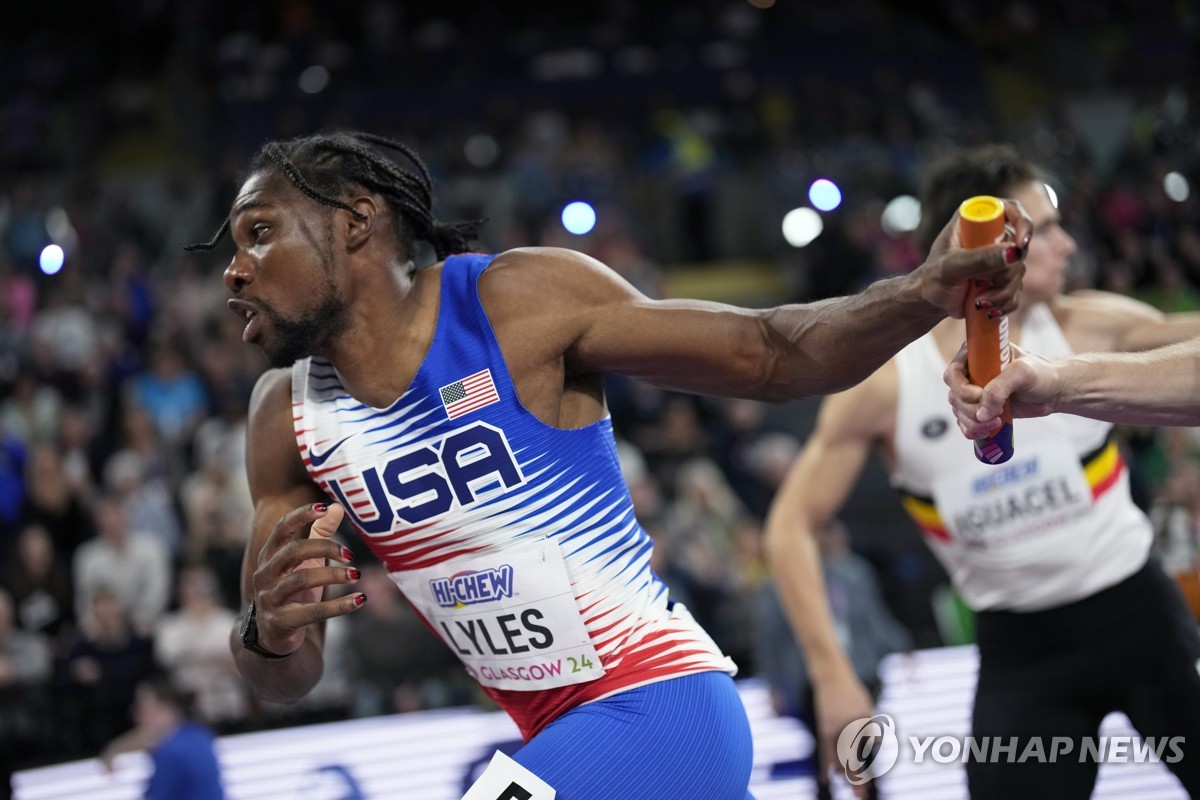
[(353, 573), (320, 508), (360, 599), (982, 304), (995, 313), (1012, 253), (347, 555), (1025, 242)]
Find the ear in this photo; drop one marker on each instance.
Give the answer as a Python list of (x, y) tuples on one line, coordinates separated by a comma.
[(359, 228)]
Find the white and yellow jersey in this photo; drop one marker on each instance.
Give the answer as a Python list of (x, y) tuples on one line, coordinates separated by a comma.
[(1052, 525)]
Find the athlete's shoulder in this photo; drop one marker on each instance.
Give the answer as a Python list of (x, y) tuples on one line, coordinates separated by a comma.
[(555, 275), (1096, 321), (1094, 305), (273, 388), (271, 402), (555, 264), (271, 434)]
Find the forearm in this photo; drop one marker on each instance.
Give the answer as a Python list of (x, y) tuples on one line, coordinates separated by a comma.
[(824, 347), (137, 738), (283, 680), (1159, 387), (795, 564)]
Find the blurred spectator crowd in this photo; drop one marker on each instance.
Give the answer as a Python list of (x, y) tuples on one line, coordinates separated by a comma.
[(692, 128)]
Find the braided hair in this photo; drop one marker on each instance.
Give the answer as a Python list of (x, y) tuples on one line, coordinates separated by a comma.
[(326, 166)]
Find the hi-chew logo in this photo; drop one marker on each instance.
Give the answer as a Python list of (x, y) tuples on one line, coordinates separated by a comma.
[(473, 586)]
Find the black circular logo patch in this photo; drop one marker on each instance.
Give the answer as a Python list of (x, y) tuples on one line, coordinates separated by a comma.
[(935, 427)]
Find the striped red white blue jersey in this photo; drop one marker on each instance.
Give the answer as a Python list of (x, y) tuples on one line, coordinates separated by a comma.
[(472, 504)]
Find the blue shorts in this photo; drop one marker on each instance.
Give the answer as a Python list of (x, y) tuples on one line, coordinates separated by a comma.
[(684, 738)]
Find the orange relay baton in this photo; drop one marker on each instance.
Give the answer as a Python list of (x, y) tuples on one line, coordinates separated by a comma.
[(981, 224)]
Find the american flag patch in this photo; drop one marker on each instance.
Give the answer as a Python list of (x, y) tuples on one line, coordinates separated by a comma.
[(469, 393)]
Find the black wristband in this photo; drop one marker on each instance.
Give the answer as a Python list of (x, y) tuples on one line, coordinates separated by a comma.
[(250, 637)]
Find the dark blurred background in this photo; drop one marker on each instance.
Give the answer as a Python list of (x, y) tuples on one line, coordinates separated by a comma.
[(691, 130)]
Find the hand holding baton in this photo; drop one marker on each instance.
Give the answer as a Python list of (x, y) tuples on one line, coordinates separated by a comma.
[(981, 224)]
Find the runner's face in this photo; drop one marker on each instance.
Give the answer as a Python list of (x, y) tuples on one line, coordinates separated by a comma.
[(283, 275), (1051, 248)]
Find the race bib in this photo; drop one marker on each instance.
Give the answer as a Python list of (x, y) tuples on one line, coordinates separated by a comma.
[(1042, 492), (510, 616), (505, 779)]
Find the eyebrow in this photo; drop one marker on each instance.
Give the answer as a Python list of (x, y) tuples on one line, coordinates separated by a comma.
[(247, 204)]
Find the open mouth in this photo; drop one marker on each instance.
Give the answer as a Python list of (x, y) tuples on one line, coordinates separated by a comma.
[(249, 315)]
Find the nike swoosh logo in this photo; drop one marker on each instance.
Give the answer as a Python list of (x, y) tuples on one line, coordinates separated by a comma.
[(317, 459)]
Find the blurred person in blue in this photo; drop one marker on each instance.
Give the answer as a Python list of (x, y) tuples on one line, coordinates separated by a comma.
[(13, 456), (455, 414), (1049, 550), (171, 393), (182, 751)]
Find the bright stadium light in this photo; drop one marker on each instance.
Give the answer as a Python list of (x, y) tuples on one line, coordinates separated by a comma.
[(578, 217), (1176, 186), (801, 226), (901, 215), (824, 194), (51, 259)]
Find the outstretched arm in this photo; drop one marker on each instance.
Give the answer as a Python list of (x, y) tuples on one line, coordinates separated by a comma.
[(1108, 322), (1156, 387), (599, 323)]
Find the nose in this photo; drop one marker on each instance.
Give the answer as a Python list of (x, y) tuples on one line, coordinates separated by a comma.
[(1067, 242), (238, 275)]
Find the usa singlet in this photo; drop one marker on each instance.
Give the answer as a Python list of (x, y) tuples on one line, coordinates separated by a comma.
[(516, 541), (1054, 524)]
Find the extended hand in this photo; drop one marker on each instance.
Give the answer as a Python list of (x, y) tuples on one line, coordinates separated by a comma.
[(292, 573), (1030, 381), (947, 273), (839, 704)]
